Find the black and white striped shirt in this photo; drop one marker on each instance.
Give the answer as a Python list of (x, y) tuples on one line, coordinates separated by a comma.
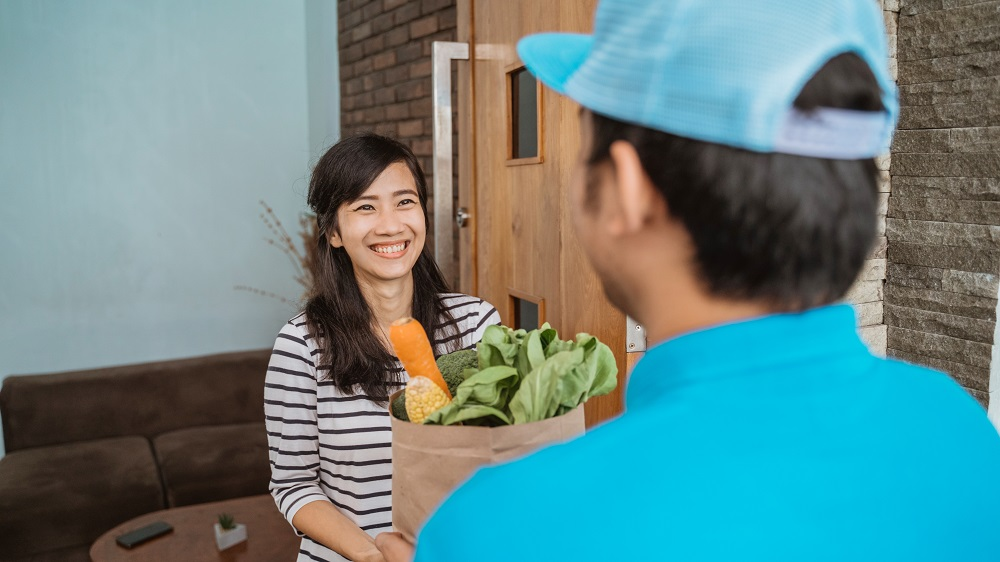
[(329, 446)]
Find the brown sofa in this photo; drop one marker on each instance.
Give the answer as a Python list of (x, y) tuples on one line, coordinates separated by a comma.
[(88, 450)]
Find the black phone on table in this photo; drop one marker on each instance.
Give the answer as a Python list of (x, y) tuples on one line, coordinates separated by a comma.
[(143, 534)]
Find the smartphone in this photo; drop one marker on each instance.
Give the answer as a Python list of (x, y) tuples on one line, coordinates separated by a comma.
[(143, 534)]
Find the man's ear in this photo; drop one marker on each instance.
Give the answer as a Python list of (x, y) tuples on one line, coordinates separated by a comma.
[(638, 198)]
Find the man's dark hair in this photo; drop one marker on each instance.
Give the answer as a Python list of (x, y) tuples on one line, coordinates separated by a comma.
[(792, 231)]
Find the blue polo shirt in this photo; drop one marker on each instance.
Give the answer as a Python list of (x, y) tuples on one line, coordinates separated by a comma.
[(778, 438)]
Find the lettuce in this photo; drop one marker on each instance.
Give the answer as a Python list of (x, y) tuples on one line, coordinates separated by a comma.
[(529, 376)]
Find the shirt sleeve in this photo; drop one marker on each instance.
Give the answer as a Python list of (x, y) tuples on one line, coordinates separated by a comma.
[(488, 316), (290, 419)]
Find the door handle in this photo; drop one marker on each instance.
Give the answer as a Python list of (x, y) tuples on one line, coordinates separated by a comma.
[(462, 217), (442, 53)]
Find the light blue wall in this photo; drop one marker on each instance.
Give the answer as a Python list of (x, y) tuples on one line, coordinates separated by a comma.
[(136, 139), (323, 56)]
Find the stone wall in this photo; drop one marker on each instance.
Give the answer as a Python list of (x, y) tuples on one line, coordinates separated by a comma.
[(868, 293), (944, 209)]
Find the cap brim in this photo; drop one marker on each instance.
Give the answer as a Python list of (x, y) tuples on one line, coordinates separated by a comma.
[(554, 57)]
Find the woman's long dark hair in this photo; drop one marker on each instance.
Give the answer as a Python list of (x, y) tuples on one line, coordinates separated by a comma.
[(337, 313)]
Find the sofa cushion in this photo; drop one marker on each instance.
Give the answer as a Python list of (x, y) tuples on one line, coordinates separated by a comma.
[(212, 463), (68, 495)]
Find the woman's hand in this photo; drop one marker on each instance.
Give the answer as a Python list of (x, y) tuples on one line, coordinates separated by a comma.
[(371, 554), (325, 524), (394, 547)]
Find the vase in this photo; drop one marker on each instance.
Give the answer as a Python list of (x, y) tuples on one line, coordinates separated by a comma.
[(225, 538)]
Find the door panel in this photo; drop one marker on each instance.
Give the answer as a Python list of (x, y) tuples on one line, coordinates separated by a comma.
[(521, 242)]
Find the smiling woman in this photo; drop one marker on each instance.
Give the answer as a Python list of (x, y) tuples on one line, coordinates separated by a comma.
[(331, 371), (384, 229)]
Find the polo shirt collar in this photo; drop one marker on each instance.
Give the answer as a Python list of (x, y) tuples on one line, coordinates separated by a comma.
[(741, 348)]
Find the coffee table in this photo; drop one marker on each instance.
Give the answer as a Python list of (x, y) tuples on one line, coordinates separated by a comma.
[(270, 537)]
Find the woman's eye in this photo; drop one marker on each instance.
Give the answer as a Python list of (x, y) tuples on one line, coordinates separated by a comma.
[(406, 202), (365, 208)]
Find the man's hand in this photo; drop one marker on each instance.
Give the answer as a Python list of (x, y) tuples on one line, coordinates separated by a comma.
[(394, 547)]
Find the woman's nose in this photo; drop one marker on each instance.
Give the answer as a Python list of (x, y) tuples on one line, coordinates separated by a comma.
[(389, 223)]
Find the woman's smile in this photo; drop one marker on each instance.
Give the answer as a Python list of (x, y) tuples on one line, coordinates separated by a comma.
[(391, 250)]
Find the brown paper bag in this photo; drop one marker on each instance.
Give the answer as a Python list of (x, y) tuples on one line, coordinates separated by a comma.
[(429, 461)]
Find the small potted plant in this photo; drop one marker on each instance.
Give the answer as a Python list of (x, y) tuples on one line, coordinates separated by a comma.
[(228, 532)]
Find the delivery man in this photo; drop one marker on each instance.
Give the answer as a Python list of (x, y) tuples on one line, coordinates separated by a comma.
[(726, 196)]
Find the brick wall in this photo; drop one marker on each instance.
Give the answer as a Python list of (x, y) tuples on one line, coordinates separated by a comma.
[(385, 69), (944, 209)]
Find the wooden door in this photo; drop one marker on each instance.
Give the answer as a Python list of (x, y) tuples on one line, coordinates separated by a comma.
[(519, 251)]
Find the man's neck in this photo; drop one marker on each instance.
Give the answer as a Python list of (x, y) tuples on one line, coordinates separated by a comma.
[(685, 307)]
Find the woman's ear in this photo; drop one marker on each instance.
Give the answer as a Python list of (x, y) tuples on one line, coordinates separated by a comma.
[(335, 239), (637, 195)]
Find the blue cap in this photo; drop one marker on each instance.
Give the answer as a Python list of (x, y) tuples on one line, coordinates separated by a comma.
[(725, 72)]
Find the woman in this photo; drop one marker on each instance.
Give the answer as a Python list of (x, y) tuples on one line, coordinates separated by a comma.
[(332, 369)]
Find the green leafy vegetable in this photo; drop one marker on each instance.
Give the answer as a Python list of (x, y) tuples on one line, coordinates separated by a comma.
[(527, 376), (538, 398), (489, 389)]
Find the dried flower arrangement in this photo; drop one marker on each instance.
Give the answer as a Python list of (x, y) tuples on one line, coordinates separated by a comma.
[(302, 261)]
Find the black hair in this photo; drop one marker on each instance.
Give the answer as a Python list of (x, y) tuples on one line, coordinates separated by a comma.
[(790, 231), (337, 313)]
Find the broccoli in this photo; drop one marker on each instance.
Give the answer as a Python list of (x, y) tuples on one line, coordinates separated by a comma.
[(452, 367), (399, 407)]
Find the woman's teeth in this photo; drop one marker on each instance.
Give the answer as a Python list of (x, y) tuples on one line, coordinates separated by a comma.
[(390, 249)]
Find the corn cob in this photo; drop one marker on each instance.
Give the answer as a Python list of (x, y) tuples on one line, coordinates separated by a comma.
[(423, 397)]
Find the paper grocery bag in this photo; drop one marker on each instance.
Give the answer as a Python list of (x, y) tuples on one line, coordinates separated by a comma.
[(429, 461)]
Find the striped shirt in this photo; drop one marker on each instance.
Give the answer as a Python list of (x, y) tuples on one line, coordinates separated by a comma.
[(327, 445)]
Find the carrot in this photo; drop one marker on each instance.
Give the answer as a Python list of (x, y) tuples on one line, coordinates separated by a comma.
[(414, 350)]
